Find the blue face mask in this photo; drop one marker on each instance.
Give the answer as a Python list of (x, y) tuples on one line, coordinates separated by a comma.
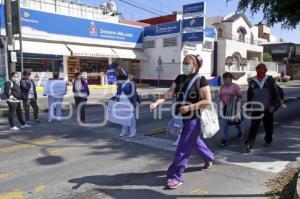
[(186, 69)]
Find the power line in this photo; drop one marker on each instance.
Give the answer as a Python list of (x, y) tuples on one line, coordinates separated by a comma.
[(150, 7), (141, 8)]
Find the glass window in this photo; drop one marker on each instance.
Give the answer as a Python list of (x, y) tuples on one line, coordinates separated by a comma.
[(170, 42), (241, 33), (149, 44)]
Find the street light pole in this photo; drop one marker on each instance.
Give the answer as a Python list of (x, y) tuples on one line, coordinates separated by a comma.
[(9, 35)]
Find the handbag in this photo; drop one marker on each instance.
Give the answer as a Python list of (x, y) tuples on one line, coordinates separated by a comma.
[(176, 124), (209, 121)]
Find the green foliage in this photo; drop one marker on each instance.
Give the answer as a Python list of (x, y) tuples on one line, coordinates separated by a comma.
[(267, 57), (286, 12)]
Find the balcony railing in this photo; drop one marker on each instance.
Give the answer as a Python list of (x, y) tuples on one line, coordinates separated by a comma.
[(236, 38)]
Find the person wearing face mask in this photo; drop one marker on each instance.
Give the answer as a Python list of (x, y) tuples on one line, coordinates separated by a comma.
[(262, 89), (55, 99), (227, 91), (81, 92), (13, 94), (199, 97), (29, 95)]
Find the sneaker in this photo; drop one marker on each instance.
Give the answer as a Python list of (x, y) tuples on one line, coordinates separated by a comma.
[(247, 149), (207, 165), (174, 184), (14, 128), (25, 126), (50, 120), (132, 135), (223, 143), (29, 123), (123, 133)]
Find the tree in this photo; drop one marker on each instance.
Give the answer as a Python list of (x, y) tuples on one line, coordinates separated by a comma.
[(286, 12), (267, 57)]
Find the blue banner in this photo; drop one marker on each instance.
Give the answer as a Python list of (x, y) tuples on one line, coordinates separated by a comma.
[(194, 8), (193, 22), (210, 32), (2, 16), (162, 29), (78, 27), (194, 37)]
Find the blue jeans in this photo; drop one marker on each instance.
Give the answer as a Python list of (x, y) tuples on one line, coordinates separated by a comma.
[(225, 125)]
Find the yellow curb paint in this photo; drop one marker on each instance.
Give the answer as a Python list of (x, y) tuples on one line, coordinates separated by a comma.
[(40, 188), (198, 191), (92, 87), (33, 144), (13, 195)]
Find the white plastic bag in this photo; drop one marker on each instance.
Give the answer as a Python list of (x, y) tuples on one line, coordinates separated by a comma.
[(209, 122)]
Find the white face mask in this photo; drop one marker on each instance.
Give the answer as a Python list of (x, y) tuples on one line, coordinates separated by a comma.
[(15, 79), (186, 69)]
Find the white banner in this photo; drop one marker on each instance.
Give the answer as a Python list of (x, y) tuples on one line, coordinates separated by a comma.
[(55, 88), (120, 112)]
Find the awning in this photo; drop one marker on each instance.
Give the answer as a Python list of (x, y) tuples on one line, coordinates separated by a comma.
[(129, 53), (43, 48), (91, 51)]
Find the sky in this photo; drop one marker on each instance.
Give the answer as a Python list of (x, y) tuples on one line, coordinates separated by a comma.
[(214, 8)]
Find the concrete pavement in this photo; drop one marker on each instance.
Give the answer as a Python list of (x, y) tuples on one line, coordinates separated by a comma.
[(64, 160)]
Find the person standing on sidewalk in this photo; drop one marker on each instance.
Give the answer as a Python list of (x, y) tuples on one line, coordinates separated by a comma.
[(13, 98), (55, 98), (227, 91), (81, 92), (126, 90), (199, 97), (29, 96), (263, 90)]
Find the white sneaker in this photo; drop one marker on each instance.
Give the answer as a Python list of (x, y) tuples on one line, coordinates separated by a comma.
[(123, 133), (14, 128), (132, 135), (49, 120), (25, 126)]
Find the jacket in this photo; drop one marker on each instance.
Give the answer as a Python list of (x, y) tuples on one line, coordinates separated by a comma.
[(85, 87), (12, 89), (25, 86), (265, 92), (129, 90)]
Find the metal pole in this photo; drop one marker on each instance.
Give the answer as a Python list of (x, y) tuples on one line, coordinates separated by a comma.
[(20, 40), (9, 35)]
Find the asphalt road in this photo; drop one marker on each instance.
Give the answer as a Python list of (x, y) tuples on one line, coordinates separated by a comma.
[(68, 161)]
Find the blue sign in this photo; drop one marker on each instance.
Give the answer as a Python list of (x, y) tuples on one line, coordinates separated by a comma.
[(194, 37), (193, 22), (162, 29), (196, 8), (73, 26), (2, 16), (210, 32), (111, 75)]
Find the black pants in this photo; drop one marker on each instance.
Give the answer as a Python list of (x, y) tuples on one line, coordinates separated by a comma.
[(268, 126), (33, 103), (79, 100), (15, 107)]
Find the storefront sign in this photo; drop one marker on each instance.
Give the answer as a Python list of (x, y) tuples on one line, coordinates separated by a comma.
[(194, 9), (43, 23), (196, 23), (162, 29), (2, 17), (195, 37)]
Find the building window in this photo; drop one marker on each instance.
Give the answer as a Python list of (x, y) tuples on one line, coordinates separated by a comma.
[(170, 42), (149, 44), (242, 33), (220, 33)]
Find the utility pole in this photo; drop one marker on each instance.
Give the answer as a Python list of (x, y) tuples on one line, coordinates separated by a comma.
[(9, 36)]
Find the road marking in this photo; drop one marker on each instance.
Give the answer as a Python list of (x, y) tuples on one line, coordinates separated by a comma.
[(18, 147), (40, 188), (261, 163), (198, 191), (13, 195), (5, 175)]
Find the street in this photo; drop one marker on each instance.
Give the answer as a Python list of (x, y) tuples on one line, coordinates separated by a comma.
[(67, 161)]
